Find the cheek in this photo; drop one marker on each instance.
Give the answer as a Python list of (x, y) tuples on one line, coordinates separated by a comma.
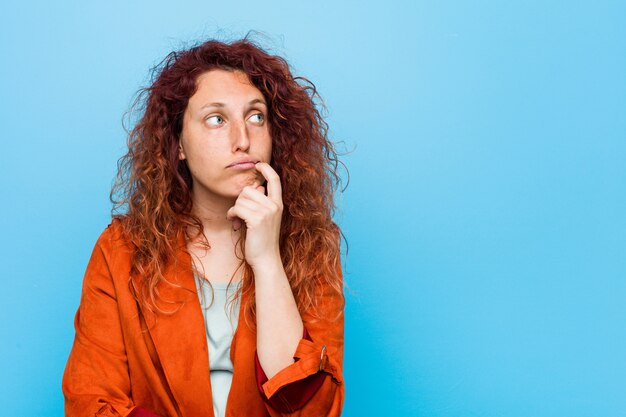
[(262, 140), (268, 148), (203, 156), (204, 167)]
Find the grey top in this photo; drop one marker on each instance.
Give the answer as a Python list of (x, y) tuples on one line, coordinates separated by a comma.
[(220, 327)]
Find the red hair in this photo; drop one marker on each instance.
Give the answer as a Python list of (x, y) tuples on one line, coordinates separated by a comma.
[(154, 186)]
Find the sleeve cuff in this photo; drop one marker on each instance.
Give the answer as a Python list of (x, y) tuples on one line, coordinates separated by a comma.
[(292, 387)]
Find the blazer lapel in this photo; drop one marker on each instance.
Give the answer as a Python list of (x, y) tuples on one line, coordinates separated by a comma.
[(180, 338)]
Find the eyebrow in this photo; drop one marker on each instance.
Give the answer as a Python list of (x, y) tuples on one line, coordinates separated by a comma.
[(216, 104)]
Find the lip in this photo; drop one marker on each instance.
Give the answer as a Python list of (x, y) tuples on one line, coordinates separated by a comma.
[(243, 163)]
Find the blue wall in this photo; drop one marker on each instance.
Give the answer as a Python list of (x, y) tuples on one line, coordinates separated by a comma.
[(485, 215)]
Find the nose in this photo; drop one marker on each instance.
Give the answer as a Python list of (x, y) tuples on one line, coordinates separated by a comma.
[(240, 138)]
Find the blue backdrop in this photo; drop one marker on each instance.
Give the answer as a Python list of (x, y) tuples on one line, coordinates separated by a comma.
[(485, 214)]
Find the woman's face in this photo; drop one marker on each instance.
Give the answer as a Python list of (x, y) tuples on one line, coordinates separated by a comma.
[(215, 136)]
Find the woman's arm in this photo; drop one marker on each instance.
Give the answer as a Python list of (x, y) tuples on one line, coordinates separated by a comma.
[(310, 383), (279, 325), (96, 380), (282, 351)]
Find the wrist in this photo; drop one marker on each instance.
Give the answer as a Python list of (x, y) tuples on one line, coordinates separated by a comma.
[(267, 264)]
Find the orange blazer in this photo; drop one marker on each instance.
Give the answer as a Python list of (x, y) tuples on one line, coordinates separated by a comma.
[(123, 362)]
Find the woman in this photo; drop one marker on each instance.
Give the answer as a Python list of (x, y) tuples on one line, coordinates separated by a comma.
[(228, 196)]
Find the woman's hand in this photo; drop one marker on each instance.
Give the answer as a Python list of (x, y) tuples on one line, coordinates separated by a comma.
[(262, 214)]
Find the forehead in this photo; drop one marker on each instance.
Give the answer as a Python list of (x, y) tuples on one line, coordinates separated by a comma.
[(229, 87)]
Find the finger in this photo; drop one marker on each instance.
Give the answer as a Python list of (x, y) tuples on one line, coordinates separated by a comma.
[(274, 189), (232, 216), (237, 222), (251, 205), (243, 213), (256, 195), (242, 210)]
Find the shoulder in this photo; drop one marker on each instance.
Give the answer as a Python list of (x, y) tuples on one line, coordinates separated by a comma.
[(114, 241)]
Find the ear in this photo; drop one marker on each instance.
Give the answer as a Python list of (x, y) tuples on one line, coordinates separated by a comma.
[(181, 153)]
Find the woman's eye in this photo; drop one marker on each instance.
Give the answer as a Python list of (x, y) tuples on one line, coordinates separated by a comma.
[(213, 117), (261, 117)]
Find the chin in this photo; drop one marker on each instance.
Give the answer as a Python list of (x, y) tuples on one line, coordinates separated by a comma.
[(241, 183), (232, 188)]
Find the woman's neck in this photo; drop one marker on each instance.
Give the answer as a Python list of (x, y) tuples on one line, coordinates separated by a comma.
[(212, 213)]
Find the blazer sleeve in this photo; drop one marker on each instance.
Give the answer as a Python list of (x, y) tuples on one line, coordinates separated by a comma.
[(312, 386), (96, 380)]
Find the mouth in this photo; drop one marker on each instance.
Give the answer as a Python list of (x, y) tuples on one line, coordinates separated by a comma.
[(243, 164)]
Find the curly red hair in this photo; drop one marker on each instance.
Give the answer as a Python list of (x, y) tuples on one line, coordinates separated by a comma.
[(154, 186)]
